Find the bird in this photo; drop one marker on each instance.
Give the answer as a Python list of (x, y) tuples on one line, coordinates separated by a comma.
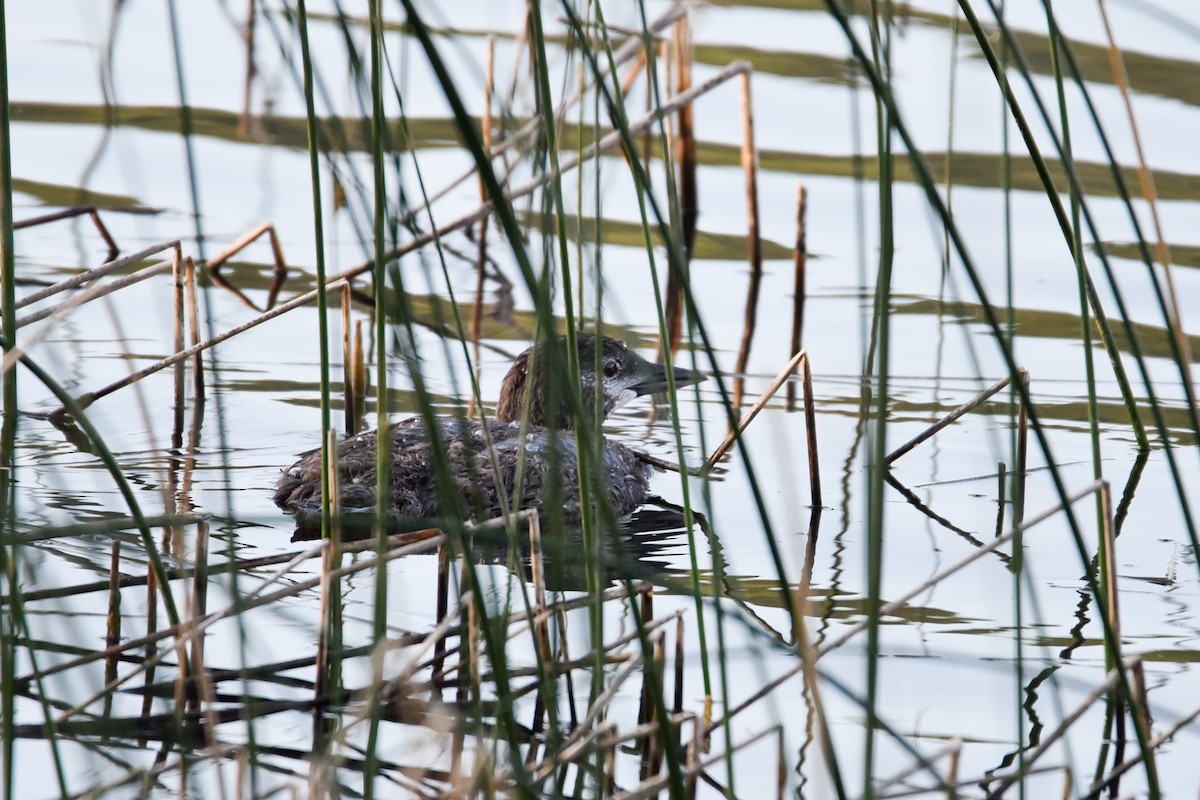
[(483, 471)]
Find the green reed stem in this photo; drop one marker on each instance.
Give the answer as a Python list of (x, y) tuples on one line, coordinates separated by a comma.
[(383, 450), (8, 427), (332, 621), (881, 55)]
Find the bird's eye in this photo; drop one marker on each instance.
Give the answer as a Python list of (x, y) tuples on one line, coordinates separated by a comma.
[(610, 370)]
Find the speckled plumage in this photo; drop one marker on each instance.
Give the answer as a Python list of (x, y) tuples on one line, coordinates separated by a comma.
[(414, 494), (473, 471)]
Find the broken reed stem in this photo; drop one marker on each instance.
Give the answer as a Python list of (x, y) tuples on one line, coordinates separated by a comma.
[(94, 292), (1022, 451), (76, 281), (1001, 486), (753, 242), (749, 416), (947, 420), (810, 430), (442, 608), (70, 213), (189, 269), (361, 376), (88, 398), (800, 262), (251, 70), (239, 244)]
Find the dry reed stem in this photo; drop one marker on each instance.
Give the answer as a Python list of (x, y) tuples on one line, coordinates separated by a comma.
[(1150, 193), (96, 273), (800, 265), (70, 213), (1022, 450), (251, 70), (810, 431), (947, 420), (101, 527), (442, 608), (193, 312), (689, 206), (88, 398), (758, 406), (93, 292), (239, 244), (753, 243), (1004, 781), (113, 625), (349, 418)]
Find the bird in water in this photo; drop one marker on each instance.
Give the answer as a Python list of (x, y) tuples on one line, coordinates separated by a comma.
[(481, 477)]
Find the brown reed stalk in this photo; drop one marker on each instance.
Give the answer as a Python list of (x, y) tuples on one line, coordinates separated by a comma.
[(1022, 450), (946, 421), (150, 637), (92, 293), (193, 312), (70, 213), (88, 276), (349, 413), (899, 603), (753, 242), (689, 207), (251, 70), (113, 622), (241, 243), (810, 430), (748, 417), (800, 266), (1150, 192), (362, 379), (180, 376)]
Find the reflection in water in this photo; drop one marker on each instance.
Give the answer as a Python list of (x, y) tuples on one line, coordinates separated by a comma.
[(642, 548)]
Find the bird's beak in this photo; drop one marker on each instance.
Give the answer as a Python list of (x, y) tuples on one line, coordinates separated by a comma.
[(653, 377)]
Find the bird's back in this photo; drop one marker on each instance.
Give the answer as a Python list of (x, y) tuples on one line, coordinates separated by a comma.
[(479, 476)]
